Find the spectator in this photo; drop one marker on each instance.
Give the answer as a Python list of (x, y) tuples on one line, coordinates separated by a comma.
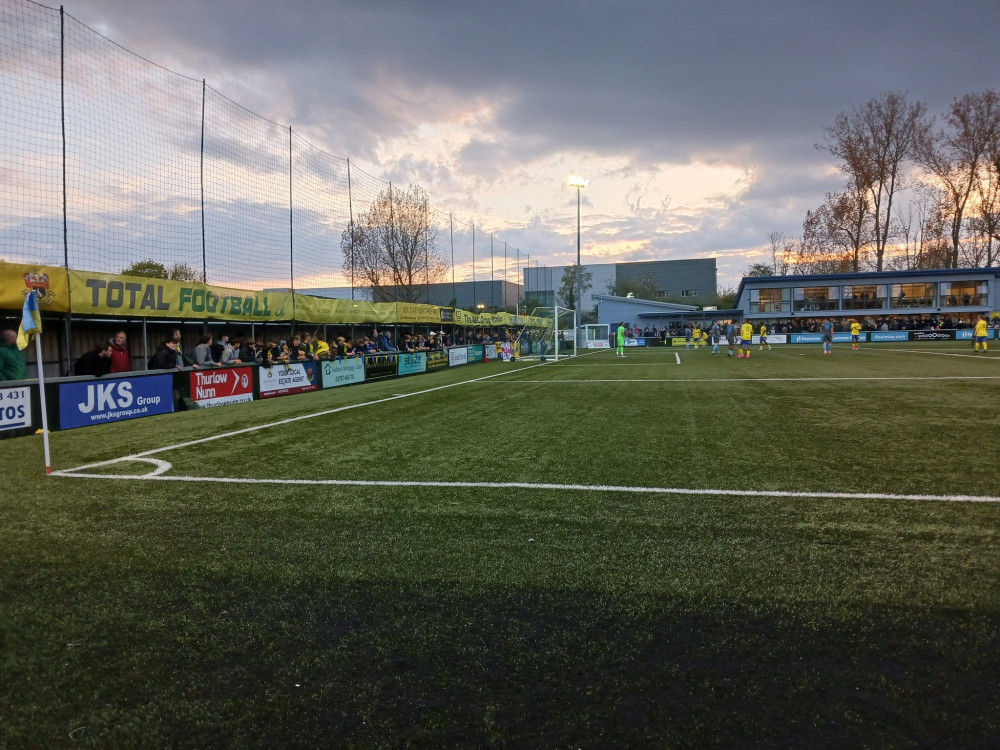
[(166, 357), (231, 353), (183, 360), (95, 362), (203, 352), (321, 349), (12, 364), (248, 352), (297, 350), (383, 341), (121, 360), (218, 347)]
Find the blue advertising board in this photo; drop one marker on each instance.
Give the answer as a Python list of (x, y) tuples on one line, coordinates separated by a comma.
[(890, 335), (412, 363), (100, 401), (342, 371)]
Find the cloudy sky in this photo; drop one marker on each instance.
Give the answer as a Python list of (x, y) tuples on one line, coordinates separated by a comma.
[(694, 120)]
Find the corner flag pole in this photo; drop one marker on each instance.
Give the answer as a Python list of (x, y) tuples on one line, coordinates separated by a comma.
[(41, 397), (31, 328)]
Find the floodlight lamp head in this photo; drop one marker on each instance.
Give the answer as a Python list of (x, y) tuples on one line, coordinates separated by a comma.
[(578, 182)]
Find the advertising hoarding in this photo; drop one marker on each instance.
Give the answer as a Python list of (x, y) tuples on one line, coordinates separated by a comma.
[(84, 403), (223, 386), (282, 380)]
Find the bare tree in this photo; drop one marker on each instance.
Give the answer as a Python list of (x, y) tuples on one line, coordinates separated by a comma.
[(957, 156), (392, 245), (985, 226), (920, 231), (782, 250), (843, 226), (874, 144)]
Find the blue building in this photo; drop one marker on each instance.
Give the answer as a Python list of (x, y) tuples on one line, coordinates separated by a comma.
[(946, 298)]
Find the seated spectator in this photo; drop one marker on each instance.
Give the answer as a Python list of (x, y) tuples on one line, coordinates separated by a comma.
[(121, 360), (95, 362), (203, 352)]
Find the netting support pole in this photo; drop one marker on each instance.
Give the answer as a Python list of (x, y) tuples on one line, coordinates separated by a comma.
[(68, 325), (493, 299), (291, 240), (475, 299), (350, 214), (451, 234), (201, 180)]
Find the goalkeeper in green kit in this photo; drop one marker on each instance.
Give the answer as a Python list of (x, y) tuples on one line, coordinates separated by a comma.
[(620, 352)]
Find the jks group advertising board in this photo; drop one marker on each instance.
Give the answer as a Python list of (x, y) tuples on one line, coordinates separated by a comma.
[(281, 380), (15, 408), (100, 401), (225, 386), (342, 372)]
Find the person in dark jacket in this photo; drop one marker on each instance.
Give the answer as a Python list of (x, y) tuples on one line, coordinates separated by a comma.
[(96, 362)]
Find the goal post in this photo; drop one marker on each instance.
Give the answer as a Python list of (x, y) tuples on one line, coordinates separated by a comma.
[(555, 336)]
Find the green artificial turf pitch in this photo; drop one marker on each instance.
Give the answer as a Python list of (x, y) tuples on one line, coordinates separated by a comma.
[(474, 578)]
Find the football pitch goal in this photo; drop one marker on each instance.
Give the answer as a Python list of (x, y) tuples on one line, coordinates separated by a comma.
[(672, 549)]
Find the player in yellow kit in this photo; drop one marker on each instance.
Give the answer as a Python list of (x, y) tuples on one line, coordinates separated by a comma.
[(696, 336), (855, 335), (979, 334), (746, 339), (763, 338)]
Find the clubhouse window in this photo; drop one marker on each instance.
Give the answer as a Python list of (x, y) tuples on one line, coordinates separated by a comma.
[(866, 297), (770, 300), (816, 298), (912, 295), (964, 293)]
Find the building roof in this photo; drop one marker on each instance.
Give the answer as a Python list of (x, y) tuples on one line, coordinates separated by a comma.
[(666, 306)]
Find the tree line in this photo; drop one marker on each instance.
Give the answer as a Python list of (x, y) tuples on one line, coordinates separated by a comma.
[(919, 192)]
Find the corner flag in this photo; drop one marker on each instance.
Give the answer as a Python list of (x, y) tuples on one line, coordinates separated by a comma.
[(31, 320)]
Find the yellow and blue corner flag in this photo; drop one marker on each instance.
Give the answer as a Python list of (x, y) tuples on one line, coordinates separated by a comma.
[(31, 320)]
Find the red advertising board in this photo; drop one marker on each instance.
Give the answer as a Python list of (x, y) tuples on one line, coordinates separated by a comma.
[(225, 385)]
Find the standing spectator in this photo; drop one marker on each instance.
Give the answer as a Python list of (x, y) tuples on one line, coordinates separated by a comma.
[(166, 357), (231, 353), (183, 360), (320, 347), (12, 364), (203, 352), (121, 360), (95, 362), (218, 347)]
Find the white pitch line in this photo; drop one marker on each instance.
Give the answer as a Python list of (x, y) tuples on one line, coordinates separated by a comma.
[(542, 486), (971, 355), (220, 436), (736, 379)]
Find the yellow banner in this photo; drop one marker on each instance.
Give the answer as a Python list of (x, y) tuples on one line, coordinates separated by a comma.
[(410, 312), (17, 278), (324, 310), (110, 294), (114, 295)]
